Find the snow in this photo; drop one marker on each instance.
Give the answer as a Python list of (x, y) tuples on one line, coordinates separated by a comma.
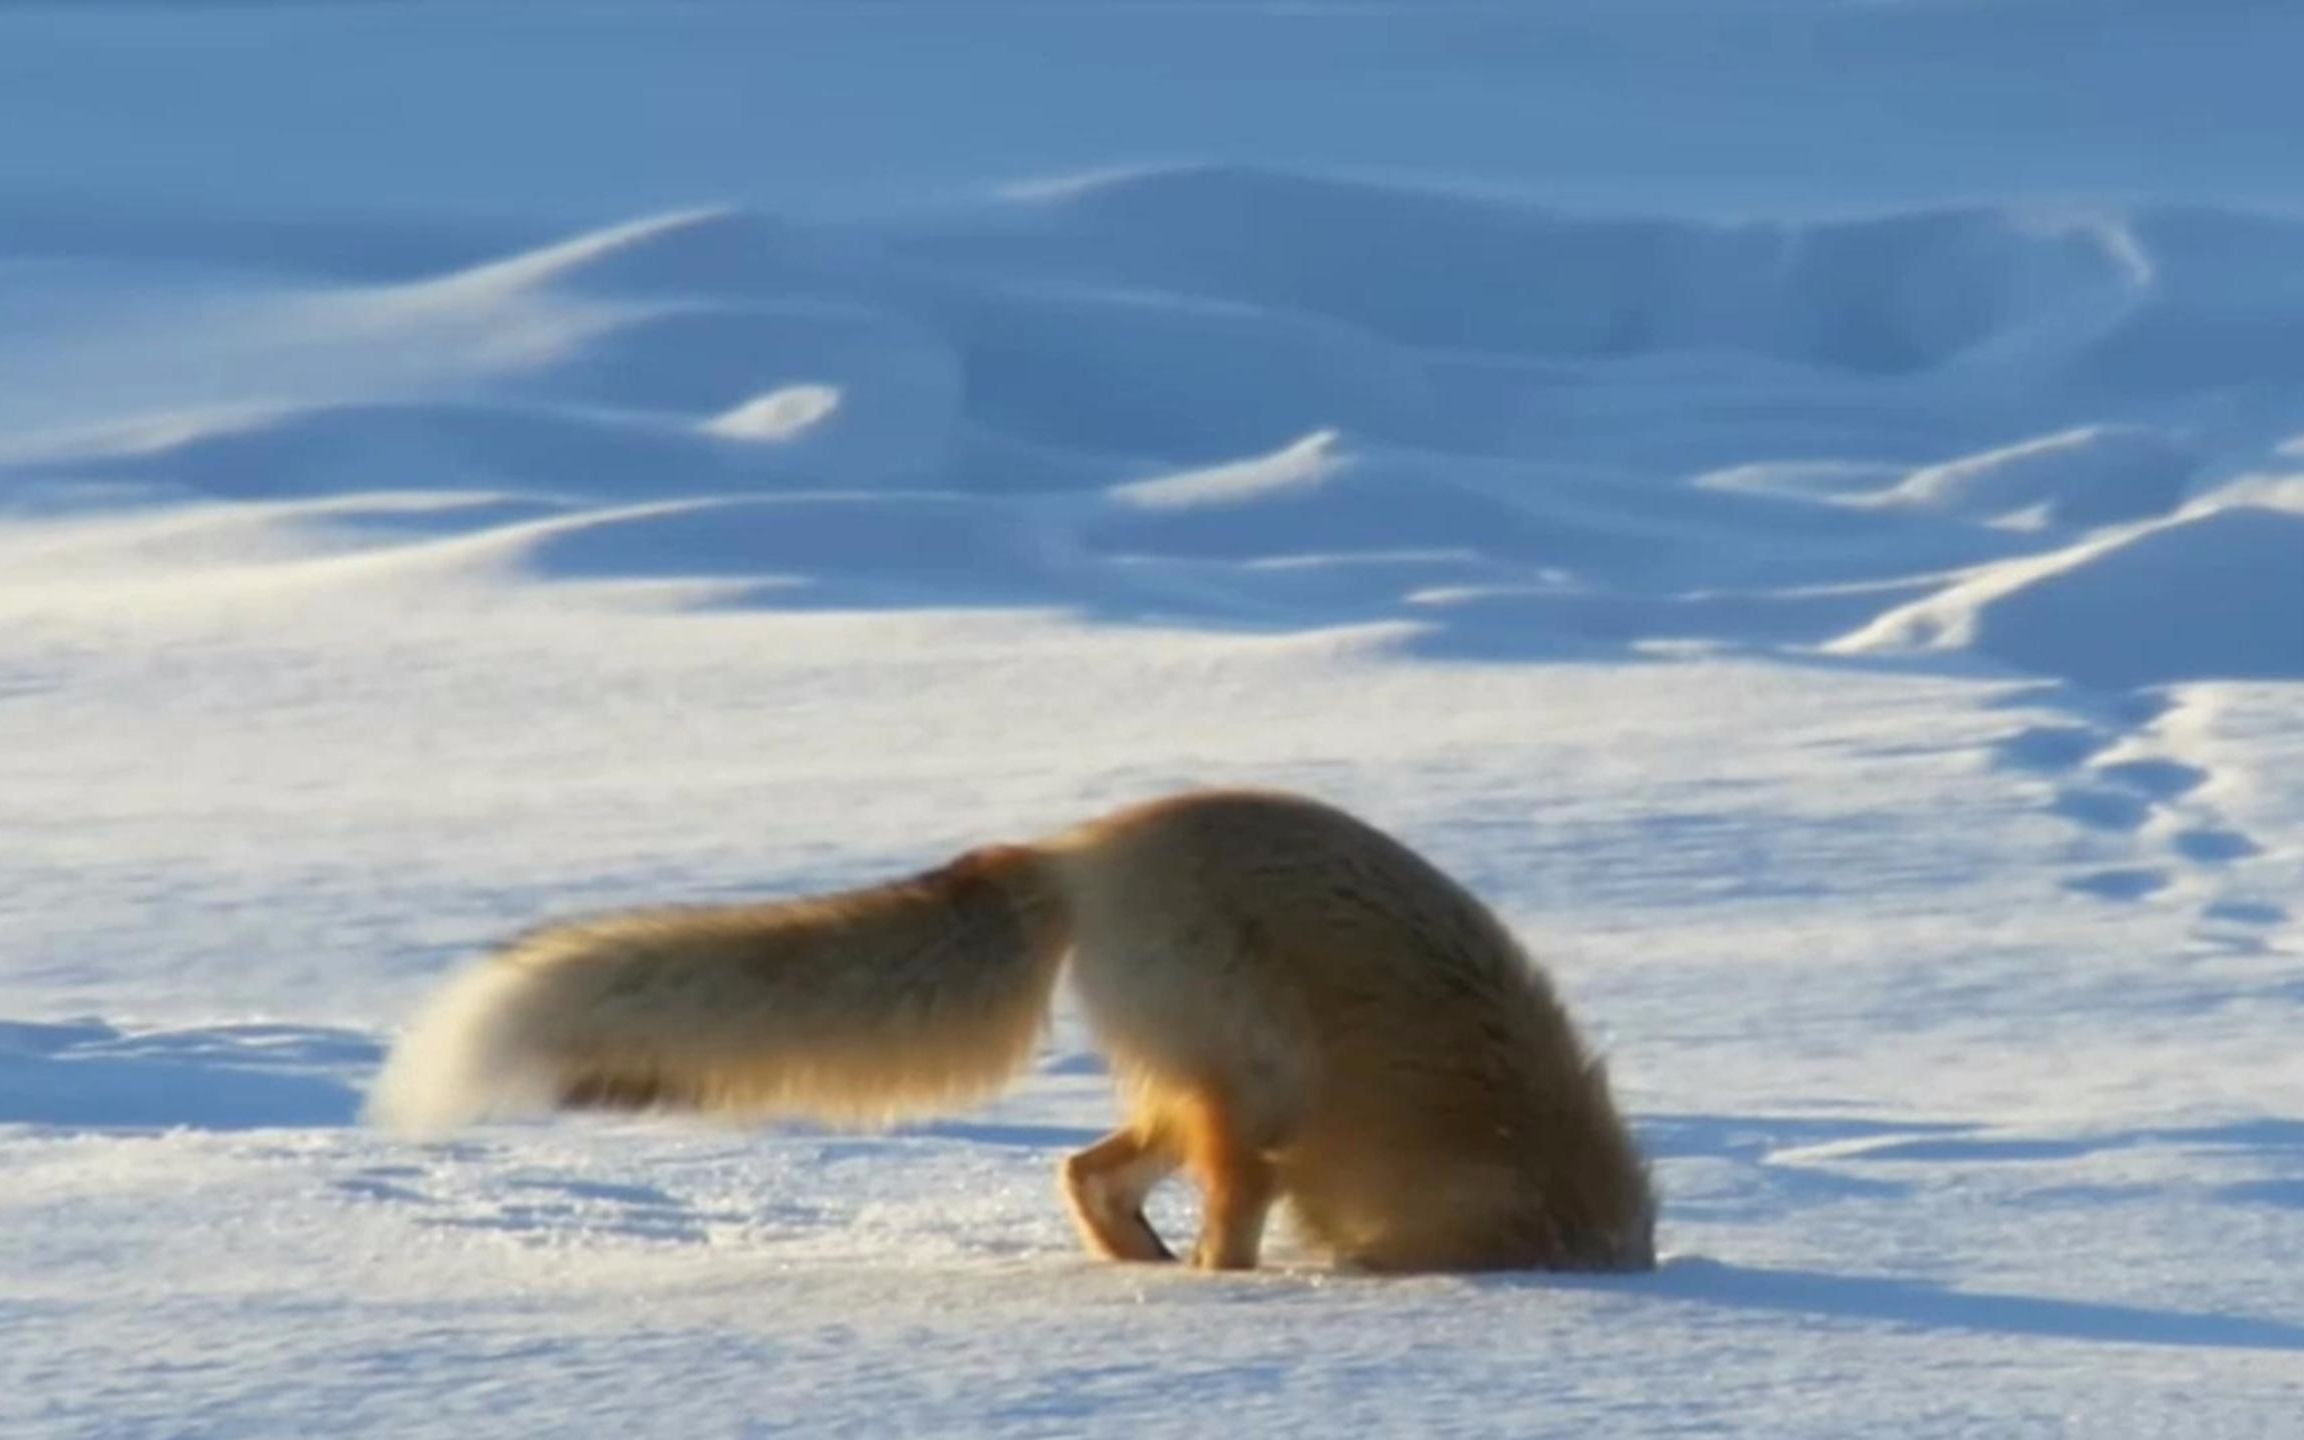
[(1801, 504), (2207, 594)]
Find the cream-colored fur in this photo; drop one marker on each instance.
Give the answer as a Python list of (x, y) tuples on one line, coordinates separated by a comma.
[(1297, 1008)]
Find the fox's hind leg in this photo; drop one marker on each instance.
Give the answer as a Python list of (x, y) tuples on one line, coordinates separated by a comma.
[(1237, 1183), (1105, 1186)]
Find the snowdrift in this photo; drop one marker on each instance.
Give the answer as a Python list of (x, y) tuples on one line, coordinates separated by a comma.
[(1253, 397), (2215, 593)]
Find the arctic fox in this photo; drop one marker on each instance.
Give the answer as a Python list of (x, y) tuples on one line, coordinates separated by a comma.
[(1296, 1008)]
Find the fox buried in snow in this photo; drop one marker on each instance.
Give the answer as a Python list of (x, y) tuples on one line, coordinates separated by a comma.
[(1296, 1008)]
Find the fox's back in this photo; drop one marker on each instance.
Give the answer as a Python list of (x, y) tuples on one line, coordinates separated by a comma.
[(1354, 923)]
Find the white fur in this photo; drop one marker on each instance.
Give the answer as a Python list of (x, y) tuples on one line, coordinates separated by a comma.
[(468, 1057)]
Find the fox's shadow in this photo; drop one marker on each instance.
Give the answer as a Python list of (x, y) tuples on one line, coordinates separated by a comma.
[(1772, 1161), (1920, 1306)]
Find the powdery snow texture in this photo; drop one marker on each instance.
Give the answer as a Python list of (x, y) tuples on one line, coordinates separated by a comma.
[(1798, 504)]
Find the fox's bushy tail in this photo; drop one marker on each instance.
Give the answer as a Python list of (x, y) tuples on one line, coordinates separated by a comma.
[(857, 1008)]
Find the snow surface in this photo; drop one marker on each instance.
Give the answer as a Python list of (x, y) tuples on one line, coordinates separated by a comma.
[(1802, 504)]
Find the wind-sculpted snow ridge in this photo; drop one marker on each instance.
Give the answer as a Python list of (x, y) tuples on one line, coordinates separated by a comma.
[(1246, 397), (2215, 593), (1883, 296)]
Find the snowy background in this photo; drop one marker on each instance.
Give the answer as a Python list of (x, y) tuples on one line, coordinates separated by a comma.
[(1800, 504)]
